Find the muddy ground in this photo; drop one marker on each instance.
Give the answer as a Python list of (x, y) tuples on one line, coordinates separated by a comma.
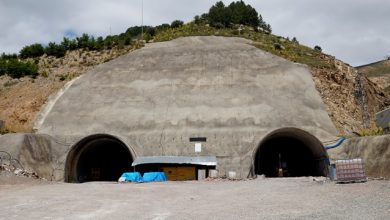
[(262, 198)]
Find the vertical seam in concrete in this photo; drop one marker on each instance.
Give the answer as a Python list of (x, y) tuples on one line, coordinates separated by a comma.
[(50, 104), (165, 115)]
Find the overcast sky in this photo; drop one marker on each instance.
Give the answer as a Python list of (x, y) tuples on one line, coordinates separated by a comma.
[(355, 31)]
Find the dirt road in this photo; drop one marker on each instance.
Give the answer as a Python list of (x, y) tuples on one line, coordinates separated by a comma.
[(292, 198)]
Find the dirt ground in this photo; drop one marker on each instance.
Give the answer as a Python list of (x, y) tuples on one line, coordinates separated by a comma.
[(262, 198)]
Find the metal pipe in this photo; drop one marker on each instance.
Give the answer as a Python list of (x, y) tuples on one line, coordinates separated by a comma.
[(338, 143)]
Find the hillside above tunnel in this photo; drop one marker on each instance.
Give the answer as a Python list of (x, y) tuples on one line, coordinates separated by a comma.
[(254, 111), (339, 84)]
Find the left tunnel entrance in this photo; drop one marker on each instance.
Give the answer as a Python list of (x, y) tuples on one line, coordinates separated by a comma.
[(97, 158)]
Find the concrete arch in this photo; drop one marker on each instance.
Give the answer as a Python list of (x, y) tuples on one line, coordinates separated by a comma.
[(98, 157), (290, 152)]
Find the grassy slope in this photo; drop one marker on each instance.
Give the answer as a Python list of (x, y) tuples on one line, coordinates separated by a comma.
[(381, 68), (377, 69), (274, 44)]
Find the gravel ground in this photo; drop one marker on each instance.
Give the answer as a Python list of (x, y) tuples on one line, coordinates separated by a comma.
[(278, 198)]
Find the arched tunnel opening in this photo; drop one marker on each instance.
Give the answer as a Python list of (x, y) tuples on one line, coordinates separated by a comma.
[(97, 158), (291, 152)]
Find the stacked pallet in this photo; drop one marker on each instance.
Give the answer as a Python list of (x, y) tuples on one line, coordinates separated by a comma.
[(352, 170)]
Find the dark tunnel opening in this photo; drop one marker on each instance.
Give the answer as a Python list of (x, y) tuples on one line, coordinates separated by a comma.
[(98, 158), (291, 152)]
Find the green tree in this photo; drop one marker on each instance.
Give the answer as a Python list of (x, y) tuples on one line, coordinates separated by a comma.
[(197, 19), (162, 27), (264, 26), (110, 41), (150, 30), (219, 16), (242, 13), (205, 17), (268, 28), (83, 41), (18, 69), (66, 43), (176, 24), (8, 56), (127, 41), (13, 68), (31, 69), (91, 44), (3, 67), (73, 44), (31, 51), (134, 31), (56, 50), (237, 12), (251, 18), (69, 44), (99, 43), (318, 48)]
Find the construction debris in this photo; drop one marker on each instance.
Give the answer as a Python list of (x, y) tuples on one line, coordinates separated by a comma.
[(18, 171)]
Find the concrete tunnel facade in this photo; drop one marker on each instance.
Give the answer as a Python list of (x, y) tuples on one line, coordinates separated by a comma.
[(301, 153), (254, 112)]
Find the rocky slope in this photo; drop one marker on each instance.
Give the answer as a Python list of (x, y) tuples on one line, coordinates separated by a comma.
[(350, 106)]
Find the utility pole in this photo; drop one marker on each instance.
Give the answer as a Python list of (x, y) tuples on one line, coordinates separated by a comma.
[(142, 19)]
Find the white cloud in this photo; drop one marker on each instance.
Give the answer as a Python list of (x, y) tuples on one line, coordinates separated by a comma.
[(355, 31)]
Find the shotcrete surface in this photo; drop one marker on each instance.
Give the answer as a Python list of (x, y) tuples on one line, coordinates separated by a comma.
[(195, 85)]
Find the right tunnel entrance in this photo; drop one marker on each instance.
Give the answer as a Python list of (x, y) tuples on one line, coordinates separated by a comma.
[(291, 152)]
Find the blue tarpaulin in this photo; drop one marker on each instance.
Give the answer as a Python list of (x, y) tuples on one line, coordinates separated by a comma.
[(154, 177), (131, 177)]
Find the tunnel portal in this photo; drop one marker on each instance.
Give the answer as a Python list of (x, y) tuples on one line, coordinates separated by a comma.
[(291, 152), (97, 158)]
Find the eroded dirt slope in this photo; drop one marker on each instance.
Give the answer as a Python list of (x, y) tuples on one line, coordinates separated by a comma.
[(21, 99)]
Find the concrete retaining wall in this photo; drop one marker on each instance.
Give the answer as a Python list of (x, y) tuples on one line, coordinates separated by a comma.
[(37, 153), (375, 151)]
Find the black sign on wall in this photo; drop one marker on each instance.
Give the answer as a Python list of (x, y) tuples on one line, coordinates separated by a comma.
[(198, 139)]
